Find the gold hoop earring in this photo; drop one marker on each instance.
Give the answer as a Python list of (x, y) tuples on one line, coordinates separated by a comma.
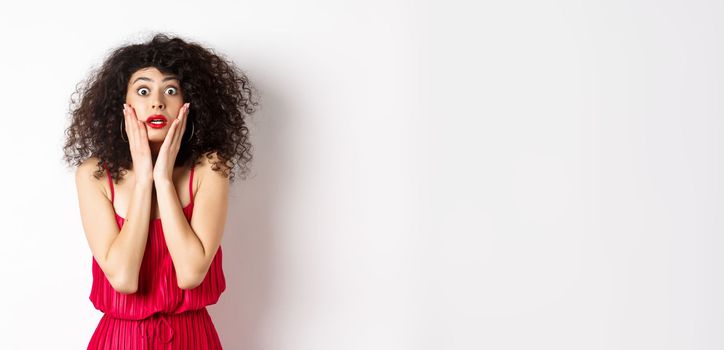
[(192, 132), (124, 140)]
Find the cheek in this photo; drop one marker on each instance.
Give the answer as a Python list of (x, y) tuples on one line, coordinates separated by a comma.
[(135, 102), (131, 100)]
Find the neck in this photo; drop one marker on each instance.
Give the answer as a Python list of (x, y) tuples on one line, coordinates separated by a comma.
[(155, 148)]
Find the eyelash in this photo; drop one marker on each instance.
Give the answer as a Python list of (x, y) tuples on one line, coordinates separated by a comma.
[(143, 87)]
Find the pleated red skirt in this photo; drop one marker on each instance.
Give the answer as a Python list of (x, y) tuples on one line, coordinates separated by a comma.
[(190, 330)]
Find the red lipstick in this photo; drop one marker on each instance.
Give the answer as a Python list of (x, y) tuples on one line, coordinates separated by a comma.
[(157, 121)]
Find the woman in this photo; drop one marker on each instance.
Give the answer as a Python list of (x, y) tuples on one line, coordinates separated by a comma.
[(166, 121)]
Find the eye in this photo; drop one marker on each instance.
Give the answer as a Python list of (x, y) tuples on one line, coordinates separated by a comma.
[(171, 91), (141, 91)]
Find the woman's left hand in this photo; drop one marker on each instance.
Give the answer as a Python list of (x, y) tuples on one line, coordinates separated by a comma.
[(163, 168)]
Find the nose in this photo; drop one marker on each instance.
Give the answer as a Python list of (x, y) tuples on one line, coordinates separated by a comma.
[(157, 102)]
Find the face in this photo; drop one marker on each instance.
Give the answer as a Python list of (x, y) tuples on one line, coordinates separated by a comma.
[(153, 94)]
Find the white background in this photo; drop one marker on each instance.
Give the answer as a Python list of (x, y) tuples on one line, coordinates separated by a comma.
[(511, 175)]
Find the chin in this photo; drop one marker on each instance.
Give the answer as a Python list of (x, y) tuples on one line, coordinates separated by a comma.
[(157, 139)]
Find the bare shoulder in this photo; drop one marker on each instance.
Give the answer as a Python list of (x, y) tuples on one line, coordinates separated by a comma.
[(207, 165), (86, 170), (85, 175), (207, 174)]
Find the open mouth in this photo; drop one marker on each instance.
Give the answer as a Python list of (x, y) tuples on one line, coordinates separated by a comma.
[(156, 121)]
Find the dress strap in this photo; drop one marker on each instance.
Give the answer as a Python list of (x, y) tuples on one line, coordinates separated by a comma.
[(191, 184), (110, 182)]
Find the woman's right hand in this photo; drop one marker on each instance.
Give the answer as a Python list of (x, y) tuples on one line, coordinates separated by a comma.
[(138, 142)]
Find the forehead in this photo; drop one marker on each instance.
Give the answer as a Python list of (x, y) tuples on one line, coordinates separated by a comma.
[(152, 73)]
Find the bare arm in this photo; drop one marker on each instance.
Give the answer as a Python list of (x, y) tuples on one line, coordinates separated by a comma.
[(119, 253), (193, 245)]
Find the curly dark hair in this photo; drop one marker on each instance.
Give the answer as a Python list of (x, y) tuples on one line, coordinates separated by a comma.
[(221, 96)]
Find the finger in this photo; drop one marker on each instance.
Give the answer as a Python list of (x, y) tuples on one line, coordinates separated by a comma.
[(168, 140), (173, 137), (130, 125), (143, 133), (183, 114), (178, 131), (140, 130), (184, 122), (137, 129)]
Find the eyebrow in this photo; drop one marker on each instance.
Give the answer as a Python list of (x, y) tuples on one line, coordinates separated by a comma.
[(151, 80)]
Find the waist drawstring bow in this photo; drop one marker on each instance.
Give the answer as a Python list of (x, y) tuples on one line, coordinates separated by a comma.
[(157, 326)]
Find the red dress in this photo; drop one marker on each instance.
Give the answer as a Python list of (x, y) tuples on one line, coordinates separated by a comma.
[(160, 315)]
